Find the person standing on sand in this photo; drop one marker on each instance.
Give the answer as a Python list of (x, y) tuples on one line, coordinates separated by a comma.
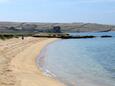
[(22, 37)]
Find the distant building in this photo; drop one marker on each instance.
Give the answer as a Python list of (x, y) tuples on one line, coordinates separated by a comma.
[(57, 29)]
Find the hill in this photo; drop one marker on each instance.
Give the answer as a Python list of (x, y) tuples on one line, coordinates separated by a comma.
[(47, 27)]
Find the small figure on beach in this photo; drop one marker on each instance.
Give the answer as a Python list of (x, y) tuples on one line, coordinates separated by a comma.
[(22, 37)]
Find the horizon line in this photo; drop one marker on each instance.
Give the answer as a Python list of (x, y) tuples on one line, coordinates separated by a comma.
[(55, 22)]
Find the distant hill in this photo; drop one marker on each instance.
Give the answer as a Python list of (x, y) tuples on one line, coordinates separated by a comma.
[(46, 27)]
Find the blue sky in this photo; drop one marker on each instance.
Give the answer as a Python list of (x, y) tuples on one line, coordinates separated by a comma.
[(90, 11)]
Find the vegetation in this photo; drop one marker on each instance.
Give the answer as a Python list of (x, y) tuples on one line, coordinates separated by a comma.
[(3, 37), (54, 27), (52, 30)]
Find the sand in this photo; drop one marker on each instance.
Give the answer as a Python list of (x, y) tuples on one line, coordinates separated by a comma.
[(18, 63)]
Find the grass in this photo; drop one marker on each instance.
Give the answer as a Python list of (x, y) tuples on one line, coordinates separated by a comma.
[(4, 37), (9, 35)]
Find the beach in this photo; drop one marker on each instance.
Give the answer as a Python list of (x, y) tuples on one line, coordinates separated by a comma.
[(18, 63)]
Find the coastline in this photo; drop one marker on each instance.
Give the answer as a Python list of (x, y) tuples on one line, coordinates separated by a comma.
[(41, 56), (40, 63), (18, 67)]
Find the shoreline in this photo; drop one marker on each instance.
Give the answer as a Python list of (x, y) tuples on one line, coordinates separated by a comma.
[(40, 61), (41, 54), (21, 68)]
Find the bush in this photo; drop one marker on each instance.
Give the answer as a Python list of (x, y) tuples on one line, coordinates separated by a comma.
[(3, 37)]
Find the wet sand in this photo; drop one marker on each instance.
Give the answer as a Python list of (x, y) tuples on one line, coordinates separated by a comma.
[(18, 63)]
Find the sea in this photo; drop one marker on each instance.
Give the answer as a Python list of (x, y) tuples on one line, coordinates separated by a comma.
[(81, 62)]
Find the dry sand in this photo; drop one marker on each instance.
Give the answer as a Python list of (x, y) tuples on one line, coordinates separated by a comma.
[(18, 63)]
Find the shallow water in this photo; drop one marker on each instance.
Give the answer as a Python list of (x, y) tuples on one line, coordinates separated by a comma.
[(81, 62)]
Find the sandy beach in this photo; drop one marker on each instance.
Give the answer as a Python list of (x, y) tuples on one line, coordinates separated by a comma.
[(18, 63)]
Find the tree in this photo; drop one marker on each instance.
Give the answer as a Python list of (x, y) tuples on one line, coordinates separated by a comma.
[(57, 29)]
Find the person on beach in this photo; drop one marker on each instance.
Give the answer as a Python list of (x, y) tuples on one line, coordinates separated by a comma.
[(22, 37)]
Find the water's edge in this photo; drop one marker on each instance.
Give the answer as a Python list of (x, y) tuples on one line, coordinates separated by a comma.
[(40, 60)]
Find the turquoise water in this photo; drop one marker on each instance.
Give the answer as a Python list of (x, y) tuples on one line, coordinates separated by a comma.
[(81, 62)]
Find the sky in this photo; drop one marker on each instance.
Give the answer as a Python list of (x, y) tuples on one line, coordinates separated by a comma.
[(58, 11)]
